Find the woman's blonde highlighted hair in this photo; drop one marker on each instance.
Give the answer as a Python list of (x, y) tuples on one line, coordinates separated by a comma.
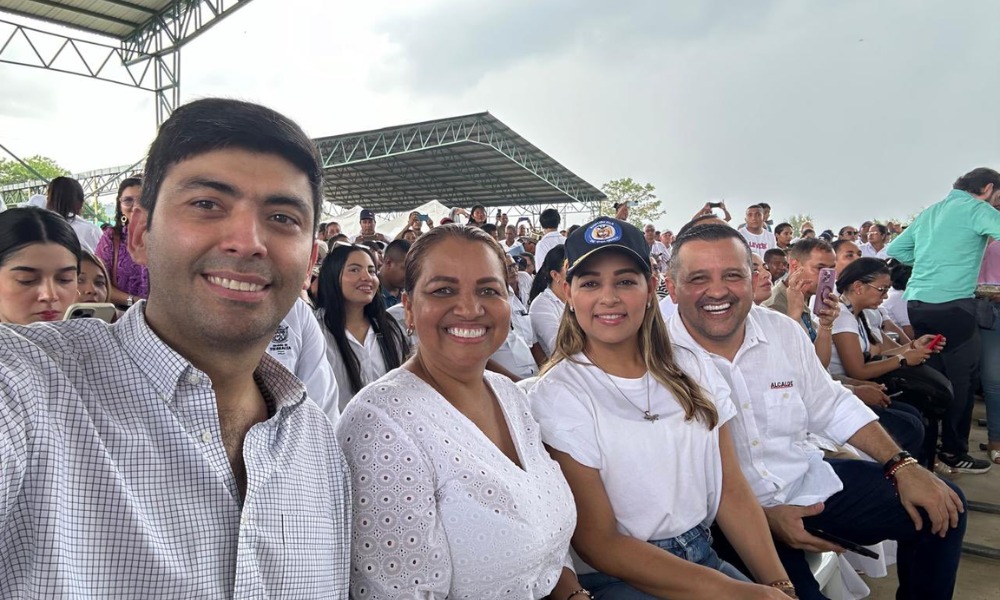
[(656, 350)]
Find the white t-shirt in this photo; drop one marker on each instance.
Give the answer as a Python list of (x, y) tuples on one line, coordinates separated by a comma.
[(88, 233), (436, 502), (371, 363), (524, 281), (298, 344), (759, 242), (661, 254), (662, 477), (895, 307), (546, 312), (846, 322), (515, 353), (667, 307), (868, 250), (549, 241)]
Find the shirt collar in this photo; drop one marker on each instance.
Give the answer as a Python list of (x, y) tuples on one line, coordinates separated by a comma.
[(680, 336), (164, 367)]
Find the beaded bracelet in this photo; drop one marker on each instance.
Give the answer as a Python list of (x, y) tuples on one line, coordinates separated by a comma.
[(578, 592), (785, 586), (896, 467)]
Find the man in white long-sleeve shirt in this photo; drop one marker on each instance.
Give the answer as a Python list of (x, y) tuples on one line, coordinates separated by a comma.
[(300, 346), (781, 392)]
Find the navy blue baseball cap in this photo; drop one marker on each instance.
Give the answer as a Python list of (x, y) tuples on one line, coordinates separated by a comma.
[(606, 233)]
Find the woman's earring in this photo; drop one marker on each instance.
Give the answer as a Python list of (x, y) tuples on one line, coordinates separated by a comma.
[(124, 220), (409, 330), (572, 309)]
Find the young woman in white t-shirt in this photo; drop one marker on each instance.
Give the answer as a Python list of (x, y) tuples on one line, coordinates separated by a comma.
[(645, 449)]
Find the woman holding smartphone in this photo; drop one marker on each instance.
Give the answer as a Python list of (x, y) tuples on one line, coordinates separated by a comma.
[(39, 264), (645, 449), (454, 495), (363, 341)]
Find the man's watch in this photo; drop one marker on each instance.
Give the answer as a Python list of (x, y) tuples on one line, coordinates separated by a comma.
[(900, 457)]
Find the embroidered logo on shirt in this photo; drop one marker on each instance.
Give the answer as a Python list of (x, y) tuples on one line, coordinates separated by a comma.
[(781, 385)]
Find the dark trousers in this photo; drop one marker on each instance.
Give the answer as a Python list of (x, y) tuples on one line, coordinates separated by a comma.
[(959, 362), (867, 511)]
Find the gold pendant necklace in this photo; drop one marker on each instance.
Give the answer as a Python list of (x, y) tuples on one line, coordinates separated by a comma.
[(646, 414)]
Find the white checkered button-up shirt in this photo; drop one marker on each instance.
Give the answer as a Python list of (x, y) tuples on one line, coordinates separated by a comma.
[(114, 482)]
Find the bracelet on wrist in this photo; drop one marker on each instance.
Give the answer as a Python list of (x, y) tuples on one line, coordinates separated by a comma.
[(896, 459), (784, 585), (580, 592), (826, 327)]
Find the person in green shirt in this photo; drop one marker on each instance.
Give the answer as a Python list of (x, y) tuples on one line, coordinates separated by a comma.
[(945, 245)]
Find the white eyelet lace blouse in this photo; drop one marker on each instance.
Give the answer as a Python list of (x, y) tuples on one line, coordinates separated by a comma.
[(439, 510)]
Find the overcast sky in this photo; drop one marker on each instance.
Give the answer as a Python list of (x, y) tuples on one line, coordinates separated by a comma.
[(846, 110)]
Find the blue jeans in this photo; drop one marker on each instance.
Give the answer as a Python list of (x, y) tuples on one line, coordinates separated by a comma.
[(694, 546), (989, 373), (868, 511)]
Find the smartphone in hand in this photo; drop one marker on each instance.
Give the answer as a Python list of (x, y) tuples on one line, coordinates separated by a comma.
[(92, 310), (824, 287), (935, 342), (845, 544)]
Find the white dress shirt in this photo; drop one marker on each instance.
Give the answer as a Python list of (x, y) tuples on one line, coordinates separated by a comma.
[(546, 312), (299, 345), (549, 241), (598, 420), (895, 307), (115, 483), (515, 353), (781, 392), (371, 363), (88, 233), (868, 250), (439, 511)]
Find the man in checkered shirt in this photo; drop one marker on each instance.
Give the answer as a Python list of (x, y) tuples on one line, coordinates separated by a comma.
[(166, 456)]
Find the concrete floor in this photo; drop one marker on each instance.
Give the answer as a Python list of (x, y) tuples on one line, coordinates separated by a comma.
[(978, 578)]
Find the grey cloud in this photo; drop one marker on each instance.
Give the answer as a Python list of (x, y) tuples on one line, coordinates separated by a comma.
[(453, 45)]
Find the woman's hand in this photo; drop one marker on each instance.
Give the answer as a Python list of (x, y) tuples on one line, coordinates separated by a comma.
[(755, 591), (925, 341), (794, 294), (917, 355)]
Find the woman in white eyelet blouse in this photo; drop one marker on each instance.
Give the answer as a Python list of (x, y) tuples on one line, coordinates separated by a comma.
[(454, 495)]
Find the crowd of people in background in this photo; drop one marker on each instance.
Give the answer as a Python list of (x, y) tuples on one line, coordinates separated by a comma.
[(276, 409)]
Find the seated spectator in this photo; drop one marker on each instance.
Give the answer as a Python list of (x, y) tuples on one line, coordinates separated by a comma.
[(878, 235), (848, 233), (526, 264), (776, 262), (846, 252), (454, 494), (299, 345), (363, 342), (863, 231), (64, 197), (510, 238), (879, 319), (762, 281), (616, 396), (492, 230), (92, 282), (780, 393), (547, 300), (368, 233), (793, 296), (390, 276), (520, 354), (783, 236), (129, 279), (659, 253), (39, 264)]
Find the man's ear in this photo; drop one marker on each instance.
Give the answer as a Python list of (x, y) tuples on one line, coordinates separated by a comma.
[(138, 227), (671, 288)]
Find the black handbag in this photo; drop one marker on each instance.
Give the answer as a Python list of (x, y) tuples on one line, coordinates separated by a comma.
[(927, 389)]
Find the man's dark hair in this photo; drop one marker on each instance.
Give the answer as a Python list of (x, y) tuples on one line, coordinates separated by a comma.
[(975, 180), (219, 123), (571, 229), (899, 274), (803, 249), (491, 229), (709, 232), (549, 219), (880, 228), (781, 227), (764, 205), (755, 206), (396, 250), (768, 255)]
